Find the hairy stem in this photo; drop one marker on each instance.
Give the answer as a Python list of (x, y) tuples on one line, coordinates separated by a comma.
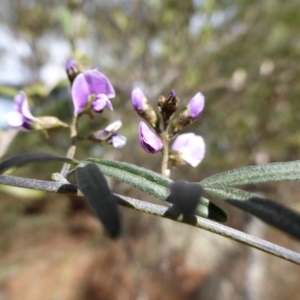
[(72, 149), (165, 152), (159, 210)]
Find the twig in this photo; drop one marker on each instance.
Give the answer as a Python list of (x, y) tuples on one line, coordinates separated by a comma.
[(159, 210), (165, 151), (72, 149)]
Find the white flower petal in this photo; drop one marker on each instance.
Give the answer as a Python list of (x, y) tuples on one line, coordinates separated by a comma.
[(114, 126), (14, 119), (119, 141)]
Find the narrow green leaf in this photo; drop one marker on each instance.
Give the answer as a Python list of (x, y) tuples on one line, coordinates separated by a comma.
[(93, 186), (265, 209), (29, 157), (152, 183), (145, 180), (281, 171)]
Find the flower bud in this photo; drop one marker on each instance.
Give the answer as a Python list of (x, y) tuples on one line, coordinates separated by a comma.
[(139, 101), (143, 108), (148, 140), (168, 106), (72, 70), (189, 114)]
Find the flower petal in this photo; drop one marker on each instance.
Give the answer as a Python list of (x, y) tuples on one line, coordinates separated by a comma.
[(91, 82), (18, 100), (114, 126), (118, 140), (21, 105), (191, 148), (138, 100), (100, 102), (25, 110), (21, 117), (182, 141), (14, 119), (148, 140), (98, 83), (196, 106)]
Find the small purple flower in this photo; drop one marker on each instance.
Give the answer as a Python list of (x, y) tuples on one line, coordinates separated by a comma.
[(110, 135), (190, 147), (195, 106), (148, 140), (139, 100), (21, 117), (92, 90)]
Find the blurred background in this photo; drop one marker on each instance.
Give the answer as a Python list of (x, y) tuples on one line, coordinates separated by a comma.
[(242, 55)]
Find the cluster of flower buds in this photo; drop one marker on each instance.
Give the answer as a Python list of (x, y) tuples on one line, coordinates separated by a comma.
[(167, 107), (187, 148), (91, 91)]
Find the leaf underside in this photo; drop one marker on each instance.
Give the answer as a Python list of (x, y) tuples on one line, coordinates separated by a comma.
[(265, 209), (93, 186)]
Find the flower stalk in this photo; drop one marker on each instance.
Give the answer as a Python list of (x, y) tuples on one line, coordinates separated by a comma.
[(72, 150), (165, 152)]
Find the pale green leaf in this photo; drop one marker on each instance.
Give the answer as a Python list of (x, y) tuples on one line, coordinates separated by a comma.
[(152, 183), (281, 171)]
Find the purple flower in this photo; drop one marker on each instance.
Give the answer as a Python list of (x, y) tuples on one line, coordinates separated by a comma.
[(195, 106), (139, 100), (190, 147), (21, 117), (148, 140), (110, 135), (92, 90)]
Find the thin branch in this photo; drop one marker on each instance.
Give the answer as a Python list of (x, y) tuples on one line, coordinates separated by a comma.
[(165, 151), (72, 149), (159, 210)]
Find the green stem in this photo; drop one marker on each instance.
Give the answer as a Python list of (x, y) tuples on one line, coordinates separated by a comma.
[(71, 152), (165, 151)]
